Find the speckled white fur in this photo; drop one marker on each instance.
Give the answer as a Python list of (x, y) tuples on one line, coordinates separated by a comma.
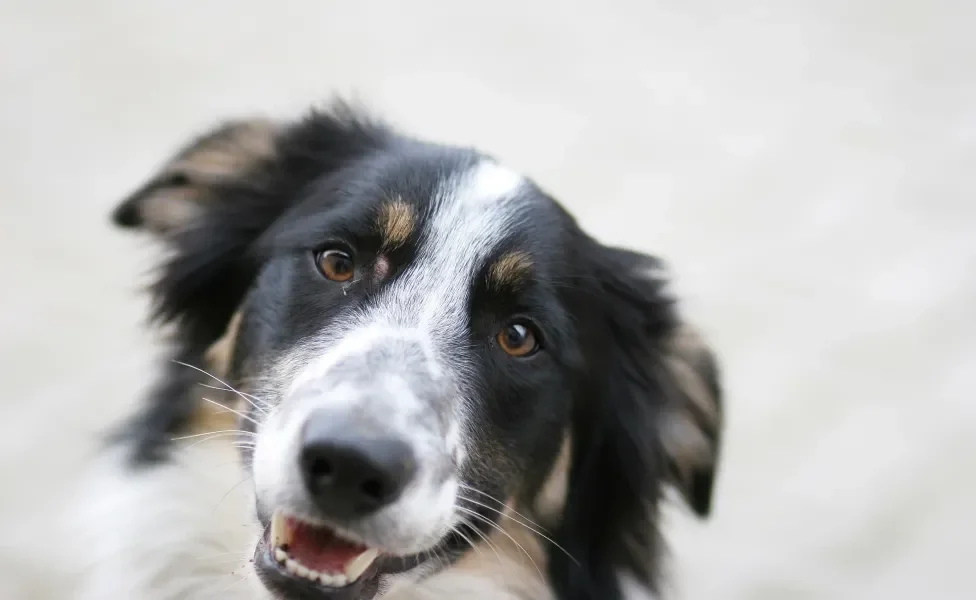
[(471, 214)]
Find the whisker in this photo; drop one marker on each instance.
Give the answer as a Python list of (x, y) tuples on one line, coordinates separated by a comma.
[(439, 557), (484, 538), (222, 431), (212, 437), (204, 440), (506, 534), (252, 400), (503, 504), (246, 399), (457, 531), (218, 380), (233, 487), (532, 529), (240, 414), (431, 554), (233, 443), (223, 389)]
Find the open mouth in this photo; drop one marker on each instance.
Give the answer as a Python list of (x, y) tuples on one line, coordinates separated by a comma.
[(300, 558)]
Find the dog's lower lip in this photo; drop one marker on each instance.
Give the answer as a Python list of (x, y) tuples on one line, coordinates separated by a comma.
[(288, 585), (356, 577)]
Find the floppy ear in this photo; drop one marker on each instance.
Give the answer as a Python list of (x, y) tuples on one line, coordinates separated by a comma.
[(691, 424), (647, 414), (178, 194), (211, 203)]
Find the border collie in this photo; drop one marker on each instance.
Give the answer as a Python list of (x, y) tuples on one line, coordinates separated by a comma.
[(398, 369)]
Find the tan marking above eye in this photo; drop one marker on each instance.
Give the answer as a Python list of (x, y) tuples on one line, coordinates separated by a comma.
[(335, 265), (509, 269), (396, 222), (517, 339)]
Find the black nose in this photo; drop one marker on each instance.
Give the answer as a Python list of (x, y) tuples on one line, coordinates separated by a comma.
[(350, 473)]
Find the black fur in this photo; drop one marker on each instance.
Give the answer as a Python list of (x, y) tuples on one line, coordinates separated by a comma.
[(609, 521), (607, 320), (213, 261)]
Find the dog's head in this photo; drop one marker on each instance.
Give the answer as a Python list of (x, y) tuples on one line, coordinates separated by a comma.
[(424, 342)]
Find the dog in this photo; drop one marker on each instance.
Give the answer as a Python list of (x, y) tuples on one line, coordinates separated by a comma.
[(394, 369)]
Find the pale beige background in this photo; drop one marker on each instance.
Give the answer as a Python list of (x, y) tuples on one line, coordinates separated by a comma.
[(809, 167)]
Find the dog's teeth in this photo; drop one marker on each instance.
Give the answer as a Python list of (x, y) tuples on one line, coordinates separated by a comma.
[(291, 566), (280, 537), (279, 530), (358, 565)]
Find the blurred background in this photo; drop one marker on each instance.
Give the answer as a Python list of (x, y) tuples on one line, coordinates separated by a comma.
[(807, 167)]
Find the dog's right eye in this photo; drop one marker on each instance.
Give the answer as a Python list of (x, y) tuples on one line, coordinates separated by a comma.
[(518, 339), (335, 265)]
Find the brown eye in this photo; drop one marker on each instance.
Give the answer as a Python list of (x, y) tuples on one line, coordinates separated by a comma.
[(336, 265), (517, 340)]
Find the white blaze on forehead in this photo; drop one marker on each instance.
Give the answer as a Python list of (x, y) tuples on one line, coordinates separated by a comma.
[(425, 308), (471, 214), (487, 182)]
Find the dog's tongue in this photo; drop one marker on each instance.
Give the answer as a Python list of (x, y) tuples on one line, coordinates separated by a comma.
[(319, 549)]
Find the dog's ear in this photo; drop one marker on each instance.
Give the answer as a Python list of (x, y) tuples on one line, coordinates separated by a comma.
[(211, 203), (215, 198), (691, 424), (646, 415), (177, 195)]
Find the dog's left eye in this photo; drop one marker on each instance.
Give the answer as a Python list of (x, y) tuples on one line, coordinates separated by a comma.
[(518, 340), (335, 265)]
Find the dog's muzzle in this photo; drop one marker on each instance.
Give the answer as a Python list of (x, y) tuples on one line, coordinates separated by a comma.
[(356, 463)]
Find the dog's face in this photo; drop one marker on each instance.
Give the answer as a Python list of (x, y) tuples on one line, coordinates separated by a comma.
[(410, 350), (416, 332)]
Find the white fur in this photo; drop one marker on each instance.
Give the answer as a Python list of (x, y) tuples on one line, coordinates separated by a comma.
[(175, 533), (179, 530), (427, 306), (471, 215)]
